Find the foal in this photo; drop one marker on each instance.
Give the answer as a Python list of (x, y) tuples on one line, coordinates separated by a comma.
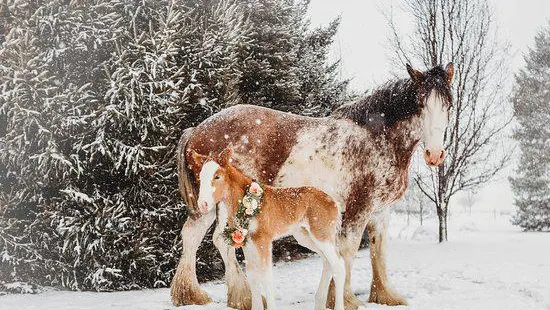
[(254, 215)]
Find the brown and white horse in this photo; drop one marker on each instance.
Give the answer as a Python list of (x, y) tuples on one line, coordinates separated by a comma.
[(359, 155), (311, 216)]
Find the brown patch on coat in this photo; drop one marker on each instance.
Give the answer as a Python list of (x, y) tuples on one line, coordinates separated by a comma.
[(263, 135), (359, 202)]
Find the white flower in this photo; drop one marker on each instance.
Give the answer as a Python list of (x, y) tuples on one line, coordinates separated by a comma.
[(247, 202)]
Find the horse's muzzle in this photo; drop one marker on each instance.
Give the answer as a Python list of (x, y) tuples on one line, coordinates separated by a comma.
[(434, 157)]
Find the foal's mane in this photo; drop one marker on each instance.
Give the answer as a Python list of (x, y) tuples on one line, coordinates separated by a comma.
[(385, 106)]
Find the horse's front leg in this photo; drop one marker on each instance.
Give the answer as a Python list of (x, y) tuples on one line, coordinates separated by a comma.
[(238, 290), (380, 291), (185, 288), (253, 273)]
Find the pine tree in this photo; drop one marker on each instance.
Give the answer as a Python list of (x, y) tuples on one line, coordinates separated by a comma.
[(95, 96), (531, 100)]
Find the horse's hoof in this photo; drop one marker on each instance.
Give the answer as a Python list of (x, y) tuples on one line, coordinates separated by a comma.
[(386, 297), (238, 296), (190, 296), (351, 302)]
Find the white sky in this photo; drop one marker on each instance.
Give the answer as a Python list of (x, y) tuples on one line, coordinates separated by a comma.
[(363, 33), (361, 44)]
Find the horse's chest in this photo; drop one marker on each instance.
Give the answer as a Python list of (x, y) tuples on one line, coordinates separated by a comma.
[(390, 185)]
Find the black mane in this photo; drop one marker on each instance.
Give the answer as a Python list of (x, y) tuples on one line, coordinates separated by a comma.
[(396, 100), (384, 107)]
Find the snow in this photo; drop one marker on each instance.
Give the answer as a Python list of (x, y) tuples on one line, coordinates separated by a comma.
[(487, 264)]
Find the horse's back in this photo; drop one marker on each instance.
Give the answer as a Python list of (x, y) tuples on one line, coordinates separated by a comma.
[(261, 138)]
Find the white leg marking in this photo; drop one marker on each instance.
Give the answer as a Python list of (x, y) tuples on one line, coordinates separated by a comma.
[(338, 271), (252, 273), (267, 283)]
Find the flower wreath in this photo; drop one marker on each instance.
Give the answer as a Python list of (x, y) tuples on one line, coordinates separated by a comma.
[(248, 208)]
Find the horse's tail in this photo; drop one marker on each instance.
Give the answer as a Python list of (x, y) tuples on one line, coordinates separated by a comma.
[(186, 178)]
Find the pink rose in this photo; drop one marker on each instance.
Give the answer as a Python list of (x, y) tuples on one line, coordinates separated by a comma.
[(238, 238), (255, 189)]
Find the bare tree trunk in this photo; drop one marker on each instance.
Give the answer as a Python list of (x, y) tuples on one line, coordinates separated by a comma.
[(421, 213), (442, 216)]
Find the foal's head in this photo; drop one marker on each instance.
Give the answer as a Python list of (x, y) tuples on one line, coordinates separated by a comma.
[(434, 100), (216, 176)]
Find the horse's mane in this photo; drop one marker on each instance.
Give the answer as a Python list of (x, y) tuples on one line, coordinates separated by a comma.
[(383, 107)]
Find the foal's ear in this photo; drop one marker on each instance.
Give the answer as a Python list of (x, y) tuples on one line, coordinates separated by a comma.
[(198, 159), (450, 70), (224, 158), (416, 76)]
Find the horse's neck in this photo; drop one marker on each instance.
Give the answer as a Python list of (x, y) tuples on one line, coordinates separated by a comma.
[(404, 137), (396, 143)]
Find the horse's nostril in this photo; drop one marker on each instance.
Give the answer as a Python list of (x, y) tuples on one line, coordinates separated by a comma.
[(427, 152), (442, 154)]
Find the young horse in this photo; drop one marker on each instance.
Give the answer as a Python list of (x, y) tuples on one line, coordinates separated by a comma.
[(359, 155), (257, 215)]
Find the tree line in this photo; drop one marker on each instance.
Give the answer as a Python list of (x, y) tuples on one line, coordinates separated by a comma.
[(94, 96)]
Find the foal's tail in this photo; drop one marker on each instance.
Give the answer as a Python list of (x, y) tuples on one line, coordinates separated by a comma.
[(338, 221), (186, 179)]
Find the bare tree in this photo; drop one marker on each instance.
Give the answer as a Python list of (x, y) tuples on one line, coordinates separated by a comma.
[(464, 32), (468, 200)]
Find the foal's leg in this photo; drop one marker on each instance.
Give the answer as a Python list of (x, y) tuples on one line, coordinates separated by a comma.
[(253, 274), (267, 274), (235, 297), (380, 291), (185, 288)]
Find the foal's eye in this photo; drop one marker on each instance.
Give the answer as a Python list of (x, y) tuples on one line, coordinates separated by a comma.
[(217, 177)]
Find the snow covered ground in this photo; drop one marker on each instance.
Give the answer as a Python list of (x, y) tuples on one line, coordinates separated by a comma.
[(487, 264)]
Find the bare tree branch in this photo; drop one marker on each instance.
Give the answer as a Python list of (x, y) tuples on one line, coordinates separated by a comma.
[(461, 31)]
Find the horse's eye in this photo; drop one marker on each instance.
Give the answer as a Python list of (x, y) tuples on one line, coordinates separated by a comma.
[(217, 177)]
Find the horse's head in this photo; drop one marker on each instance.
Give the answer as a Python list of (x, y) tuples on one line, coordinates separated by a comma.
[(213, 178), (434, 100)]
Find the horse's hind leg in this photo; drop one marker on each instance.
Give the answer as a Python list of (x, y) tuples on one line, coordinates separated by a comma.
[(303, 238), (337, 270), (185, 289), (238, 292), (349, 241), (380, 291)]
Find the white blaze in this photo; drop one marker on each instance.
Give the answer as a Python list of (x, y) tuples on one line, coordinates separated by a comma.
[(436, 119), (206, 190)]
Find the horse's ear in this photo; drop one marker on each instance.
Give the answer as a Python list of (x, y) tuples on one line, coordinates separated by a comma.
[(416, 76), (198, 159), (450, 70), (224, 158)]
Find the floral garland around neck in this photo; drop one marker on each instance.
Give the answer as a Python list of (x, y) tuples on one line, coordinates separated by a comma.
[(248, 207)]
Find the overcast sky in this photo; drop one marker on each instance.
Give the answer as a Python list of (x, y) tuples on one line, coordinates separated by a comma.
[(361, 40), (361, 45)]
